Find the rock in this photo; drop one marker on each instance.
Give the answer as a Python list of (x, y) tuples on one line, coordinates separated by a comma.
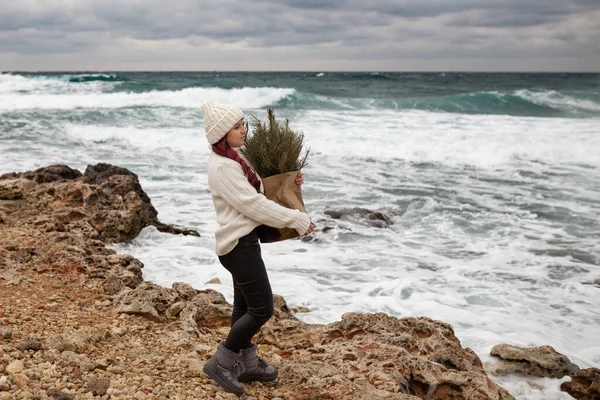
[(20, 380), (30, 344), (126, 268), (541, 361), (214, 281), (6, 333), (97, 386), (176, 308), (51, 173), (147, 300), (207, 308), (176, 230), (185, 291), (58, 395), (12, 189), (15, 367), (594, 283), (584, 385), (300, 309), (281, 309), (377, 219), (194, 368)]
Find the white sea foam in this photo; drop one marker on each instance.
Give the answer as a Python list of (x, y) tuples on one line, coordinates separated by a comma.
[(17, 88), (559, 101), (186, 98)]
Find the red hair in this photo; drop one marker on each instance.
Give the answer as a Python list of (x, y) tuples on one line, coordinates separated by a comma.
[(223, 149)]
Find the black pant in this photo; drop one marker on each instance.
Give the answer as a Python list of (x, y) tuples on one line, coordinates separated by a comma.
[(252, 295)]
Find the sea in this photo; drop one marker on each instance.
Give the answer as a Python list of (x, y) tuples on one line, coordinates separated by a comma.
[(491, 182)]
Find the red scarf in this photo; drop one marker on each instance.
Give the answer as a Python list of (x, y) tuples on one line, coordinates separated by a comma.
[(222, 148)]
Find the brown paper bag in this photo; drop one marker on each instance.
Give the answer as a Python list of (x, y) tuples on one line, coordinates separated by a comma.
[(283, 190)]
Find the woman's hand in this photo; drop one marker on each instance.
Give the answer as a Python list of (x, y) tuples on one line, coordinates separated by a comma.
[(310, 229), (300, 179)]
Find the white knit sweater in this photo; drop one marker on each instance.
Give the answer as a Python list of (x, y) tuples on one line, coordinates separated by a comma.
[(240, 208)]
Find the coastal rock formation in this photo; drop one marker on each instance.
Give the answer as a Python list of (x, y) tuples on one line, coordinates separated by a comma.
[(585, 385), (378, 219), (77, 320), (541, 361)]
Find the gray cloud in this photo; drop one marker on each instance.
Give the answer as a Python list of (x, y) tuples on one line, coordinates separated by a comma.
[(196, 34)]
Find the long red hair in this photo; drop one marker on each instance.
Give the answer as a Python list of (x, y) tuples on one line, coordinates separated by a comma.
[(222, 148)]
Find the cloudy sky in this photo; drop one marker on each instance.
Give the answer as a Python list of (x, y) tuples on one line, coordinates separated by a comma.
[(382, 35)]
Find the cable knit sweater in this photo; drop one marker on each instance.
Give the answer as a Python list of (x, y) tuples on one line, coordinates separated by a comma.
[(240, 208)]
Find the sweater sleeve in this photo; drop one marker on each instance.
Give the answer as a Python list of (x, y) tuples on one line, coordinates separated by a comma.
[(234, 188)]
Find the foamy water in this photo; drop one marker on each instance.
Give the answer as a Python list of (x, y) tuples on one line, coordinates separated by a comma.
[(495, 218)]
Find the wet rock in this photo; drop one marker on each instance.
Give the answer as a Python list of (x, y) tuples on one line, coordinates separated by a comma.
[(584, 385), (593, 283), (376, 219), (541, 361)]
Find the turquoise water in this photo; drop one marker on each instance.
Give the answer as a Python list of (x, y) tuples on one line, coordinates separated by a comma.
[(492, 182)]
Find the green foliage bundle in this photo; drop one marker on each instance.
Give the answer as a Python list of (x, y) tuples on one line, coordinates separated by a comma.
[(274, 148)]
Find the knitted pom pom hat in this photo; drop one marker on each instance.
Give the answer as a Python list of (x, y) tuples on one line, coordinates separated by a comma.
[(219, 119)]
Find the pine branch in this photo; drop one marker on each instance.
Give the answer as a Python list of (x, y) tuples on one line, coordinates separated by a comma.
[(274, 148)]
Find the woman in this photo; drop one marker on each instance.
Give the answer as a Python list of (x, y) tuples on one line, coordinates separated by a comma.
[(241, 207)]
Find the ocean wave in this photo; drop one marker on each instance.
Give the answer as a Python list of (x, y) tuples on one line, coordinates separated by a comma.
[(247, 97), (523, 102), (56, 84), (96, 77)]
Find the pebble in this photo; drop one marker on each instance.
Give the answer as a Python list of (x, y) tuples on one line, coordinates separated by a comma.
[(15, 367), (6, 333), (20, 380)]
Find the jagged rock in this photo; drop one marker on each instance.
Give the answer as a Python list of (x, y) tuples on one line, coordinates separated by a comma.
[(207, 308), (377, 219), (377, 355), (147, 300), (126, 268), (541, 361), (176, 308), (14, 188), (185, 291), (47, 174), (584, 385), (281, 309)]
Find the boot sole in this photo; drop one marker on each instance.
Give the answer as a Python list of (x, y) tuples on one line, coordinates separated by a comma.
[(221, 382), (258, 378)]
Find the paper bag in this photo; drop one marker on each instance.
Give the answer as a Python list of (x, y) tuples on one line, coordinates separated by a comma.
[(283, 190)]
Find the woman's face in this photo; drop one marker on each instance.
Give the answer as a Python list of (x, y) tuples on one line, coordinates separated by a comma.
[(236, 137)]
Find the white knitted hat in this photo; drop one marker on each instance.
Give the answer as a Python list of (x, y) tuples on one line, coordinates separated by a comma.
[(219, 119)]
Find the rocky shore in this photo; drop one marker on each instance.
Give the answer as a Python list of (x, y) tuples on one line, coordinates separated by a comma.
[(78, 321)]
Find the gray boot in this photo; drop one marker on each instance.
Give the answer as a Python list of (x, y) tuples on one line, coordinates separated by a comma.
[(255, 368), (224, 367)]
